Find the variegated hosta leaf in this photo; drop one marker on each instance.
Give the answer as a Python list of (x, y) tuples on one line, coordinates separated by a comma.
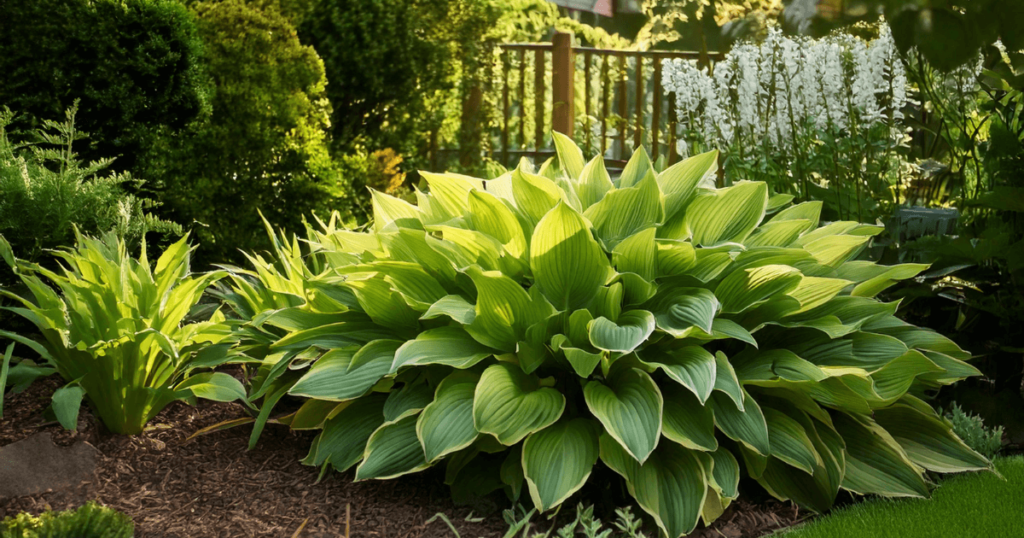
[(392, 450), (557, 460), (510, 404), (567, 262), (630, 406), (446, 424), (624, 335)]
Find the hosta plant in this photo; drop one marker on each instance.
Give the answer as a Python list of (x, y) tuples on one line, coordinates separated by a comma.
[(523, 329), (113, 329)]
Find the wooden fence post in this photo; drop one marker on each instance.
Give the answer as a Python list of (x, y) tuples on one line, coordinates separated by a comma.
[(563, 89)]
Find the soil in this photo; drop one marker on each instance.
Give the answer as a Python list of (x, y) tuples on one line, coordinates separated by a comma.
[(212, 486)]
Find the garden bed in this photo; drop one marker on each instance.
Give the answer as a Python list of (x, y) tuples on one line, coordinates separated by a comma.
[(212, 486)]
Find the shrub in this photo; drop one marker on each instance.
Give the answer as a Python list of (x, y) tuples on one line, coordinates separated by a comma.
[(46, 191), (524, 328), (264, 147), (115, 332), (972, 429), (136, 66), (90, 521)]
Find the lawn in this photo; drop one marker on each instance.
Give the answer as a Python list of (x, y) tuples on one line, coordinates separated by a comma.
[(976, 504)]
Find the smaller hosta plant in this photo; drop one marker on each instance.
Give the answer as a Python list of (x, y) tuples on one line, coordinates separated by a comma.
[(113, 329), (520, 330)]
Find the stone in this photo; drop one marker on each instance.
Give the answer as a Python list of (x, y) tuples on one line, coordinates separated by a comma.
[(35, 465)]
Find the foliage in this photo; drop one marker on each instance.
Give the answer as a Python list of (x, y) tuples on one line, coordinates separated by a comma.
[(136, 66), (820, 119), (982, 504), (265, 145), (90, 520), (972, 430), (519, 524), (523, 328), (115, 331), (46, 191)]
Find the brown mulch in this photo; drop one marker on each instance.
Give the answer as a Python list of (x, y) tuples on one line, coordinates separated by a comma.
[(212, 486)]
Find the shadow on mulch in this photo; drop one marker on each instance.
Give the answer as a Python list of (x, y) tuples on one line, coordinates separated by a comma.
[(211, 486)]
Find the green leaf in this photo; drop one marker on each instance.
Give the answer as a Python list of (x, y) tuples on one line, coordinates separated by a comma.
[(876, 464), (928, 441), (346, 373), (670, 486), (688, 422), (637, 254), (679, 182), (535, 196), (637, 169), (558, 459), (594, 182), (510, 404), (446, 424), (390, 212), (630, 331), (630, 406), (490, 215), (3, 371), (504, 310), (691, 366), (409, 400), (747, 426), (727, 382), (567, 262), (582, 362), (67, 400), (344, 436), (569, 156), (726, 215), (215, 386), (625, 211), (450, 346), (890, 276), (790, 442), (392, 451), (809, 211), (451, 191), (681, 309), (749, 287), (453, 306)]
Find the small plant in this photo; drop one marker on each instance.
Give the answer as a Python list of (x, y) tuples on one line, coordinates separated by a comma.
[(973, 431), (115, 331), (91, 520)]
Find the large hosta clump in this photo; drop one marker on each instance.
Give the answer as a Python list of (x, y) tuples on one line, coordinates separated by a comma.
[(521, 329)]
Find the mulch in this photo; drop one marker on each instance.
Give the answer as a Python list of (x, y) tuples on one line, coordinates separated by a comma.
[(212, 486)]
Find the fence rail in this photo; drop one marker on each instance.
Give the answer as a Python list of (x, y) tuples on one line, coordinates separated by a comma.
[(612, 85)]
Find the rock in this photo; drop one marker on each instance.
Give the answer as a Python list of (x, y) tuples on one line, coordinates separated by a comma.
[(35, 465)]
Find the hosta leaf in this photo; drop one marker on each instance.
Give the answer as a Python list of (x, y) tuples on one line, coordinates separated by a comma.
[(726, 473), (346, 373), (777, 234), (679, 182), (446, 424), (558, 459), (630, 406), (684, 308), (569, 156), (871, 351), (409, 400), (67, 401), (894, 379), (747, 426), (726, 381), (390, 212), (833, 251), (567, 262), (790, 442), (726, 328), (876, 464), (636, 169), (744, 289), (632, 329), (215, 386), (876, 284), (510, 404), (451, 191), (535, 196), (453, 306), (923, 339), (344, 437), (726, 215), (809, 211), (626, 211), (504, 310), (594, 182), (675, 257), (692, 367), (688, 422), (469, 247), (815, 491), (450, 346), (335, 335), (928, 441), (670, 486), (491, 216), (392, 451), (813, 292), (582, 362), (637, 254), (385, 306)]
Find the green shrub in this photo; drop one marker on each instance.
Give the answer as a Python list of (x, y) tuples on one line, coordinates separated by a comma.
[(264, 147), (523, 328), (46, 191), (136, 66), (972, 429), (114, 331), (90, 521)]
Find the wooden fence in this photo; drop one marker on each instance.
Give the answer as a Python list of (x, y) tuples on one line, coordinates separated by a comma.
[(620, 90)]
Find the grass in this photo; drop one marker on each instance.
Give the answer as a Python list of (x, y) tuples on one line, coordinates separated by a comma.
[(972, 505)]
